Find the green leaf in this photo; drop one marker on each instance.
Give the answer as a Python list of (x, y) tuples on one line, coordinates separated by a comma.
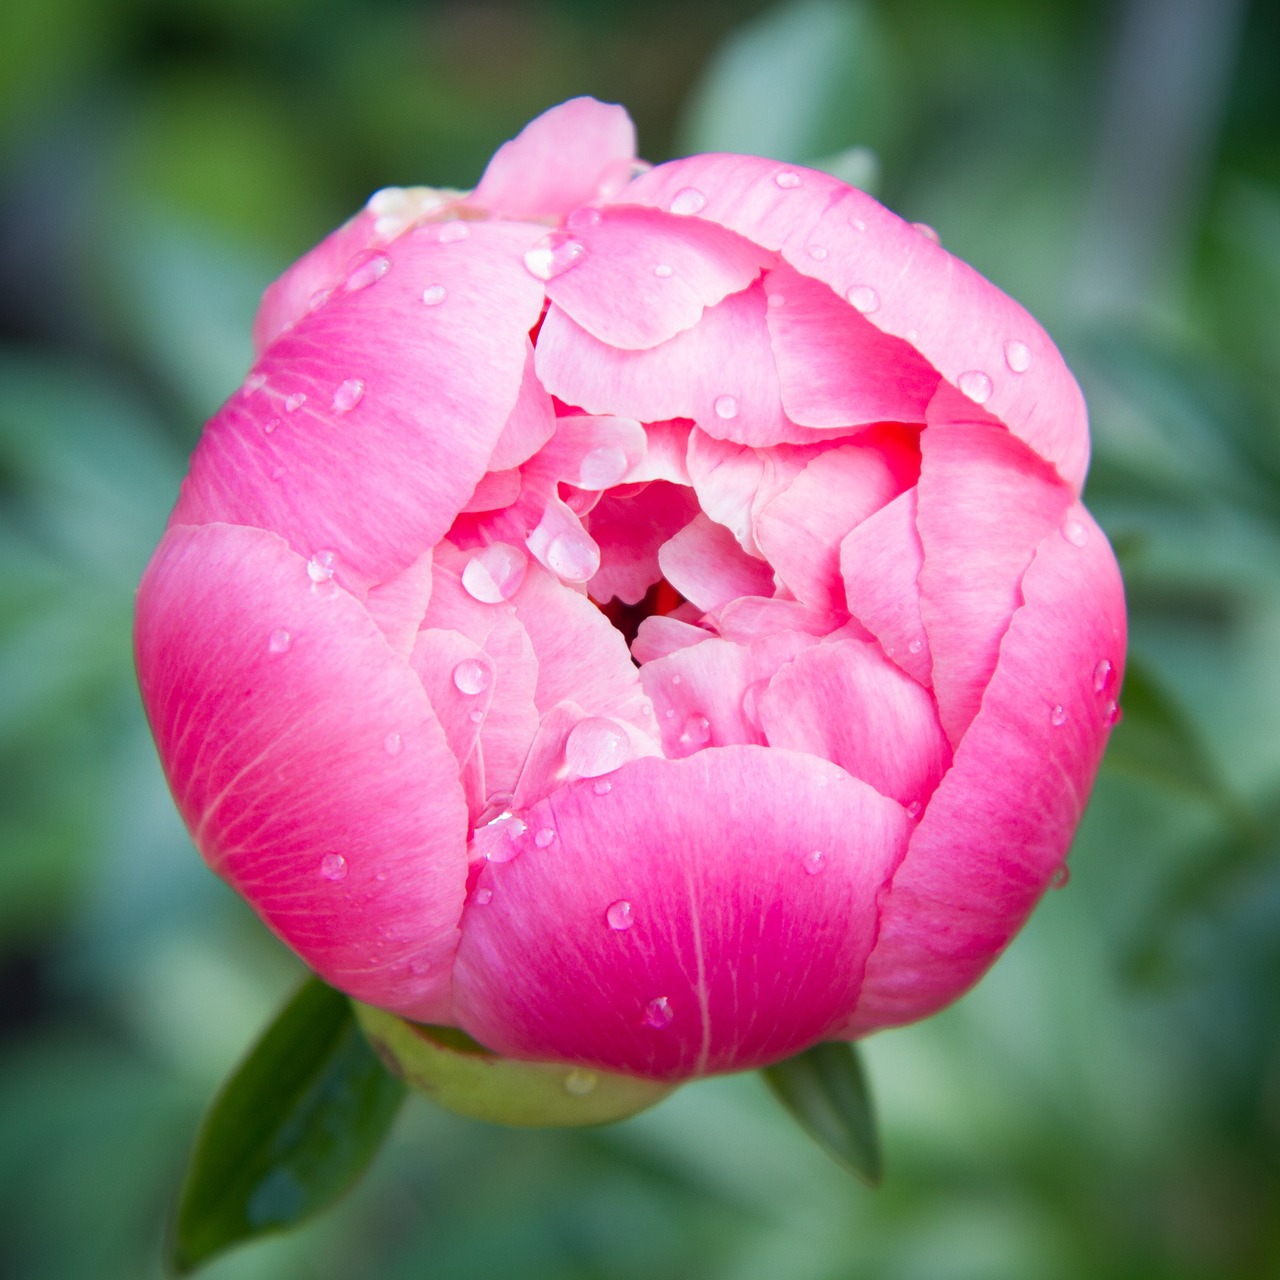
[(825, 1089), (292, 1129)]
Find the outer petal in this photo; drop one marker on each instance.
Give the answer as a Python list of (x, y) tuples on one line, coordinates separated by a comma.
[(1000, 823), (907, 286), (382, 449), (729, 953), (577, 152), (306, 761)]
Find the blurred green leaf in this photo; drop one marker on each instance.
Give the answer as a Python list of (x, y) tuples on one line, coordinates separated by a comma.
[(293, 1128), (825, 1089)]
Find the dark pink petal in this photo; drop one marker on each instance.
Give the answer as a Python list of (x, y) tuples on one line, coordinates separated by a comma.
[(306, 760), (651, 919), (907, 286), (644, 276), (985, 503), (707, 566), (372, 452), (629, 532), (577, 152), (458, 676), (845, 701), (1001, 821), (880, 562), (835, 367), (497, 489)]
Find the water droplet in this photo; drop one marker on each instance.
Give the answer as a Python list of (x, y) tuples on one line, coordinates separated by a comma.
[(787, 180), (295, 402), (392, 743), (620, 915), (603, 467), (751, 702), (453, 231), (333, 866), (858, 225), (663, 269), (1017, 355), (657, 1013), (777, 300), (579, 1082), (544, 837), (573, 556), (1111, 713), (913, 335), (817, 252), (862, 297), (471, 676), (726, 407), (1058, 716), (500, 839), (913, 809), (1103, 676), (318, 299), (370, 271), (582, 218), (1075, 533), (688, 200), (927, 231), (495, 573), (696, 732), (976, 385), (915, 645), (1060, 877), (483, 897), (322, 566), (434, 294), (596, 746), (254, 382), (814, 861), (476, 716), (280, 641), (602, 786), (270, 425), (348, 395), (548, 260)]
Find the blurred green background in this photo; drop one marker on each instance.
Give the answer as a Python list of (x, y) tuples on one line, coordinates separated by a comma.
[(1107, 1103)]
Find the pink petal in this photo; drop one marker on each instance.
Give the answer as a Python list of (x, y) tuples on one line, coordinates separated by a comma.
[(1000, 823), (306, 761), (497, 489), (985, 503), (577, 152), (707, 566), (665, 457), (653, 930), (629, 532), (753, 617), (531, 423), (849, 704), (906, 285), (645, 276), (880, 562), (458, 676), (382, 449), (660, 635), (399, 604)]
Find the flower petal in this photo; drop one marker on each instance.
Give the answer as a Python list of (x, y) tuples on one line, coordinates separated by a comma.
[(629, 531), (707, 566)]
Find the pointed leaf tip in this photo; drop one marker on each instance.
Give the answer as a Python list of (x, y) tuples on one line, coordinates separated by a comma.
[(293, 1128), (825, 1089)]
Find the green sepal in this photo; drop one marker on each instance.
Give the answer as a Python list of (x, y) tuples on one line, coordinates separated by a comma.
[(464, 1077), (292, 1128), (825, 1089)]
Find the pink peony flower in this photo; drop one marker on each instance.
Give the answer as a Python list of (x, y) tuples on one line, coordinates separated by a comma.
[(642, 617)]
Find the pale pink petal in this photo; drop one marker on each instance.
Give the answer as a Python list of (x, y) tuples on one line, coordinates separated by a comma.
[(754, 617), (660, 635), (306, 761), (629, 532), (574, 153), (985, 503), (1001, 821), (707, 566), (665, 457), (880, 563), (663, 911), (836, 369), (458, 676), (372, 452), (531, 423), (497, 489), (907, 286), (845, 701), (644, 276), (399, 604), (560, 543)]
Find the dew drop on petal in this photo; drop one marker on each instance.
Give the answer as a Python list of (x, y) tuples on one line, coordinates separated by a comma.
[(582, 218), (322, 566), (1075, 533), (1103, 676), (814, 861), (976, 385), (620, 915), (726, 407), (862, 297), (333, 866), (787, 180), (544, 837), (348, 395), (471, 676), (434, 294), (1058, 716), (817, 252), (392, 743), (500, 840), (280, 641), (602, 786), (254, 382), (318, 299), (483, 897), (495, 573), (688, 200), (1060, 877), (270, 425), (663, 269), (603, 467), (579, 1082), (548, 260), (658, 1014), (476, 716), (777, 300), (453, 231), (370, 271), (1111, 713), (295, 402), (573, 556), (913, 809), (927, 231), (915, 645), (596, 746), (1017, 355), (696, 732)]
